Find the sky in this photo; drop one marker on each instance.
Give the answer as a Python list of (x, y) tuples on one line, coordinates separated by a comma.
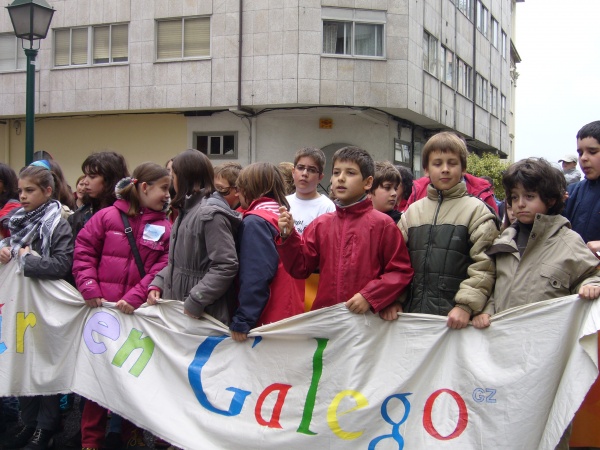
[(558, 89)]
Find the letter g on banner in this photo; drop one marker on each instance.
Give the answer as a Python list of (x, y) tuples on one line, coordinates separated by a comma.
[(195, 378), (395, 425)]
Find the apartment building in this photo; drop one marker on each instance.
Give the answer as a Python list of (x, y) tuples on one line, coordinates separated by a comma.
[(253, 80)]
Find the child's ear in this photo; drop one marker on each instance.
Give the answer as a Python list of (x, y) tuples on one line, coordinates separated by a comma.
[(144, 187), (48, 192), (368, 183)]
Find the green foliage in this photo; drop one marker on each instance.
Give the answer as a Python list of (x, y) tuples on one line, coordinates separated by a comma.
[(489, 165)]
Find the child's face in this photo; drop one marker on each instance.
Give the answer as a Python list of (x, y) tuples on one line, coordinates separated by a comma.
[(347, 182), (306, 177), (510, 214), (444, 169), (94, 184), (80, 188), (31, 195), (589, 157), (154, 196), (229, 192), (526, 204), (385, 196)]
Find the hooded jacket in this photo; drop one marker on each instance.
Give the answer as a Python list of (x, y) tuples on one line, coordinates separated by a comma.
[(477, 187), (555, 263), (267, 293), (447, 235), (104, 265), (203, 261)]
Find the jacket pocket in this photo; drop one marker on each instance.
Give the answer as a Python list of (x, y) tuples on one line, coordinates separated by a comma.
[(449, 284), (556, 277)]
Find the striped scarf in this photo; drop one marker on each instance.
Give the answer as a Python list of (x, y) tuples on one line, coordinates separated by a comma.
[(25, 227)]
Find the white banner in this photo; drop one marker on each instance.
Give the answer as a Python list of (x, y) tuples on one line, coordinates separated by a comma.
[(325, 379)]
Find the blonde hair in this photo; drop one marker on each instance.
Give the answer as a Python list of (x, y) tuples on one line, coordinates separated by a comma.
[(445, 142)]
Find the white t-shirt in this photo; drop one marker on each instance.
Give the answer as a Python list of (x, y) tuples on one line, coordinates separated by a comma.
[(305, 211)]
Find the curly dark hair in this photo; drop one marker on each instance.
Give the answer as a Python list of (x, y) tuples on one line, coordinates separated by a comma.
[(537, 175)]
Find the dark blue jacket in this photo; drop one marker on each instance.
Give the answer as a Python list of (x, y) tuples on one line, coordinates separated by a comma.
[(583, 209)]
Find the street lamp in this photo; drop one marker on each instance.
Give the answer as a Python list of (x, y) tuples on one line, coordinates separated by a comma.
[(31, 21)]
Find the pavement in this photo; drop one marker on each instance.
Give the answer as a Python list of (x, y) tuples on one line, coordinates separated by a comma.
[(70, 426)]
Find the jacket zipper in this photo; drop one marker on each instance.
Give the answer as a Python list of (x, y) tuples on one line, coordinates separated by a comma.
[(428, 252)]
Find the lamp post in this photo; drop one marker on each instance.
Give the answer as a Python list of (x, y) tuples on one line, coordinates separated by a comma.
[(31, 21)]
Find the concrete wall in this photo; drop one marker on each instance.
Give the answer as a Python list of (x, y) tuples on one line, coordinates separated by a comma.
[(282, 66), (155, 137)]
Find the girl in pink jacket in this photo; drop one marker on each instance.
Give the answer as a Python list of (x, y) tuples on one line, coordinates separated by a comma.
[(105, 268)]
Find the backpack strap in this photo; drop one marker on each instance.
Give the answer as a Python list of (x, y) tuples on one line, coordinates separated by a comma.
[(134, 249)]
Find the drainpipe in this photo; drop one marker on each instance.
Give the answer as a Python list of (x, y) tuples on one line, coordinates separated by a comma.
[(239, 102), (474, 68)]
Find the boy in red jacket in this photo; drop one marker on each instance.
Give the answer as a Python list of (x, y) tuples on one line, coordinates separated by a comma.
[(360, 252)]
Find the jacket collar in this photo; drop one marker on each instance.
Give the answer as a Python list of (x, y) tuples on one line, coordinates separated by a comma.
[(264, 203), (543, 228), (360, 207), (459, 190), (147, 215)]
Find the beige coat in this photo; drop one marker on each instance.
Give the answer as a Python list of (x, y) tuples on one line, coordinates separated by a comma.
[(555, 263), (447, 234)]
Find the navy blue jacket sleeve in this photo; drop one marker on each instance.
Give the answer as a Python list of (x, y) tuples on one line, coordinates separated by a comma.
[(258, 260)]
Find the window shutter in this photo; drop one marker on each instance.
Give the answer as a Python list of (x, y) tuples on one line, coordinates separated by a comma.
[(119, 43), (101, 42), (62, 39), (169, 39), (196, 38), (79, 49), (7, 52)]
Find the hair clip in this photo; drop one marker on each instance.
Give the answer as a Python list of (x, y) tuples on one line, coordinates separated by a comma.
[(43, 163), (134, 181)]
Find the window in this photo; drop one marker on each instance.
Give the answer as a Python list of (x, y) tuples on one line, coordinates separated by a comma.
[(110, 44), (482, 18), (183, 38), (503, 108), (481, 95), (104, 44), (12, 56), (495, 36), (494, 101), (217, 145), (504, 44), (466, 7), (464, 78), (353, 32), (430, 49), (447, 65), (402, 152)]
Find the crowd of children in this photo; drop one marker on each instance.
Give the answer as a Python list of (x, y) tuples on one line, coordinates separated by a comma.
[(234, 243)]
